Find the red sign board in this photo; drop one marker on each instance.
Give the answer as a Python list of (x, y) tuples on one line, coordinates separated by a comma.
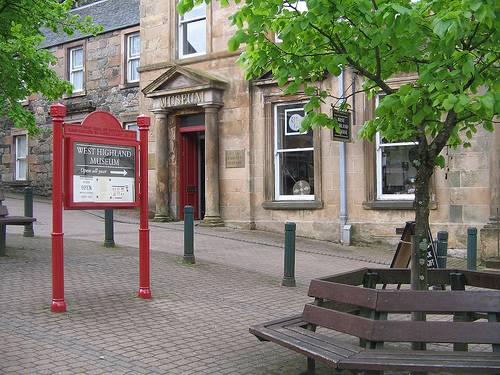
[(101, 165)]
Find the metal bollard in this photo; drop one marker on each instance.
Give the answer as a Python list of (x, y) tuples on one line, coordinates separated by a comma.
[(289, 266), (28, 211), (189, 235), (442, 248), (109, 235), (471, 249)]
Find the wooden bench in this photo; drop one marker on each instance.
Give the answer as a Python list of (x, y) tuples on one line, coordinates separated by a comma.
[(5, 220), (350, 321)]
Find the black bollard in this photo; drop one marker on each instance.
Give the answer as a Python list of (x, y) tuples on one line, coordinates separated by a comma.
[(28, 211), (442, 248), (471, 249), (189, 235), (289, 266), (109, 236)]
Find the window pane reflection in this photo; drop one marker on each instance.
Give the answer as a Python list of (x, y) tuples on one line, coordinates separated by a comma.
[(297, 173), (194, 37), (398, 173)]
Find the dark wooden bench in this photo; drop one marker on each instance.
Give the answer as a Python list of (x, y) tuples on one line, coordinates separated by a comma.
[(350, 321), (5, 220)]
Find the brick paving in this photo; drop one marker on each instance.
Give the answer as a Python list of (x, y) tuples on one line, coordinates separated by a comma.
[(197, 322), (251, 250)]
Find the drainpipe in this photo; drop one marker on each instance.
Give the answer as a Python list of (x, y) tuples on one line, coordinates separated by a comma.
[(345, 230)]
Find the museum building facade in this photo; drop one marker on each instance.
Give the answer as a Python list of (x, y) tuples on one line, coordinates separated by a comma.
[(233, 149)]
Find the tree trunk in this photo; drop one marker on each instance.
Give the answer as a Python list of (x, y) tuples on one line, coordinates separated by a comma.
[(425, 168)]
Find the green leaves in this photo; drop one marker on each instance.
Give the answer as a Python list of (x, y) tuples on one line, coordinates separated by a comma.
[(449, 102), (449, 48), (25, 67)]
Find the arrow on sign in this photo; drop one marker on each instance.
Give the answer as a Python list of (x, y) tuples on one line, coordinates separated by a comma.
[(123, 172)]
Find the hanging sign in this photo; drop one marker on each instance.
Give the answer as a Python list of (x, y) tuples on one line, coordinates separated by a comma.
[(344, 120), (101, 164)]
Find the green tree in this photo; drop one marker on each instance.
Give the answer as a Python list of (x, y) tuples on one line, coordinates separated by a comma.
[(453, 46), (24, 66)]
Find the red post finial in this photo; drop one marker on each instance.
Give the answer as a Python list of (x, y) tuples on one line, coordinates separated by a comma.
[(143, 122), (57, 110)]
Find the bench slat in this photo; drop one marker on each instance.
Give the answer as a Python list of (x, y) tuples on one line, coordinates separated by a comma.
[(422, 361), (401, 301), (404, 331), (345, 347), (16, 220), (482, 279), (306, 342), (348, 294), (349, 277), (293, 327), (398, 276), (437, 301)]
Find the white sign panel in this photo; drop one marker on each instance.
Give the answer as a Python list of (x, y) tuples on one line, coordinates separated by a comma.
[(103, 173)]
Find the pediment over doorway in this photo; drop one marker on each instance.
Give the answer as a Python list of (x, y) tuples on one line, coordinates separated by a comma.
[(181, 87)]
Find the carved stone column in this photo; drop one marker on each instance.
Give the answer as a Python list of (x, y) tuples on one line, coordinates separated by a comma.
[(212, 209), (162, 213)]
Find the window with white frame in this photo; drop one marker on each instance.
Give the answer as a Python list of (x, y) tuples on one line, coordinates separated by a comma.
[(132, 126), (293, 154), (133, 56), (76, 68), (21, 152), (394, 168), (193, 32)]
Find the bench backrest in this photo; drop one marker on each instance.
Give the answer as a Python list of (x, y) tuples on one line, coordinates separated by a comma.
[(383, 315)]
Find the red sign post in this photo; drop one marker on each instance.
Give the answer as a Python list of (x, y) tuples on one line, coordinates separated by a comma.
[(104, 167), (57, 112), (144, 282)]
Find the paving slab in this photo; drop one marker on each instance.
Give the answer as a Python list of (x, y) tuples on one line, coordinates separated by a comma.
[(196, 323)]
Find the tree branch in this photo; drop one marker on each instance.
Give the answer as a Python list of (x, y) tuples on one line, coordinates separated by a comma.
[(442, 138), (473, 78), (469, 40), (379, 81)]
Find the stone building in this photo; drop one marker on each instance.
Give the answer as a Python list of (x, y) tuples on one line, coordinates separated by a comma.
[(231, 148), (103, 71)]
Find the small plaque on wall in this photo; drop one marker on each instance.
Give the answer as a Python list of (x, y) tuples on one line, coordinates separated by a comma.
[(235, 158)]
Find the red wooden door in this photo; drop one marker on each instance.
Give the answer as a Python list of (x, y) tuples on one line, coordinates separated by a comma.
[(189, 180)]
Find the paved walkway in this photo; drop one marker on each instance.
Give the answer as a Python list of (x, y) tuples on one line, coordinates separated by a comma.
[(250, 250), (197, 322)]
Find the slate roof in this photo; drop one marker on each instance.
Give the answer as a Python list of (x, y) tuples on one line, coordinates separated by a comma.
[(111, 14)]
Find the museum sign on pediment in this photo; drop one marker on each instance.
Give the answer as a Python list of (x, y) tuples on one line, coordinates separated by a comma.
[(178, 100), (182, 87)]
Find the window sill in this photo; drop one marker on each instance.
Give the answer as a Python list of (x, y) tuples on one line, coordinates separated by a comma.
[(75, 94), (292, 205), (128, 85), (393, 205), (19, 183), (204, 57)]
